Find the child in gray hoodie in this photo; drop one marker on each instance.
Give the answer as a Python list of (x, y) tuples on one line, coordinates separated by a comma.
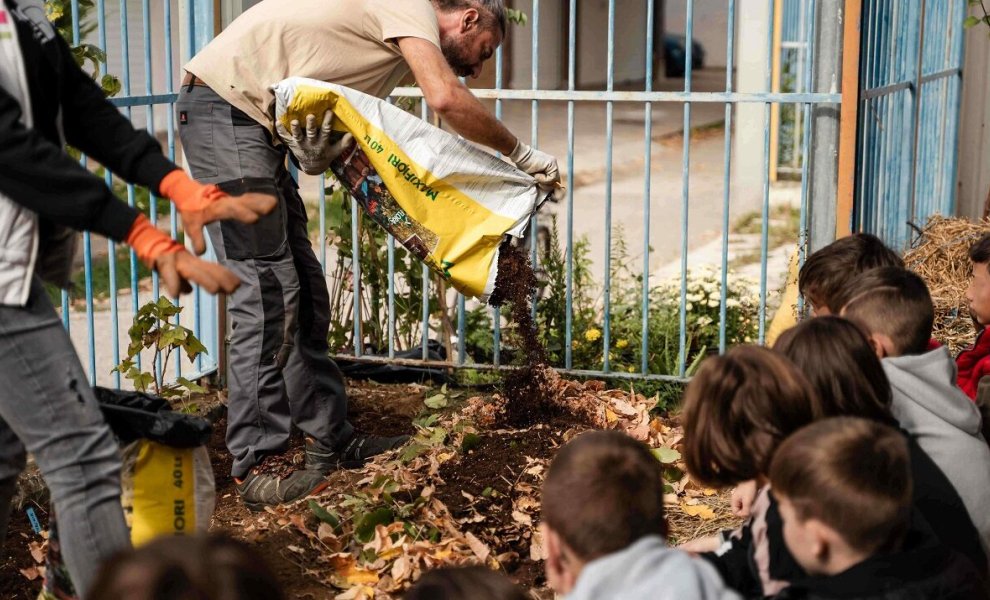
[(895, 307), (604, 529)]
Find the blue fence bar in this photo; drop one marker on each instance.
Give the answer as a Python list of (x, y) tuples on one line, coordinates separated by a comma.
[(730, 51)]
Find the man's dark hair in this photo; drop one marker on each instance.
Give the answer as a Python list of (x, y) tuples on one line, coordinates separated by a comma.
[(492, 12), (602, 493), (894, 302), (827, 272)]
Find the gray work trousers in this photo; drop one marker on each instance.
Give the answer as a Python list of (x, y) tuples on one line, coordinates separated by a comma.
[(48, 408), (278, 371)]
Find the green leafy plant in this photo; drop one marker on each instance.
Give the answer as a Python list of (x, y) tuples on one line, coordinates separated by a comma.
[(59, 12), (153, 328), (516, 17), (973, 20)]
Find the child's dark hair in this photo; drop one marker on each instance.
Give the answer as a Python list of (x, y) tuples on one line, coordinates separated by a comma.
[(464, 583), (836, 357), (198, 567), (603, 492), (827, 272), (894, 302), (979, 252), (737, 409), (851, 474)]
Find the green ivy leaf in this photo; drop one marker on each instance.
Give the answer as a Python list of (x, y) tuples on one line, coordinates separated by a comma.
[(971, 22), (364, 531), (667, 456), (191, 386), (436, 401), (328, 517)]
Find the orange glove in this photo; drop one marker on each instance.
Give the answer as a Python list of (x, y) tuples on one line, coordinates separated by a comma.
[(200, 204), (176, 267)]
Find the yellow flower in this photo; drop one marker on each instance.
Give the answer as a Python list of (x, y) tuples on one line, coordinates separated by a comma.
[(620, 344), (593, 335), (631, 369)]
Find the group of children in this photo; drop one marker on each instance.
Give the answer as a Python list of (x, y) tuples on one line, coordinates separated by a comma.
[(854, 445)]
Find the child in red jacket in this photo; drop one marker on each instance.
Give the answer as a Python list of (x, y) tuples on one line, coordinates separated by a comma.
[(973, 363)]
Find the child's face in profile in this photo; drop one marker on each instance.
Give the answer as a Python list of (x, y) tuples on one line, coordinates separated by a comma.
[(978, 293), (800, 538), (817, 307)]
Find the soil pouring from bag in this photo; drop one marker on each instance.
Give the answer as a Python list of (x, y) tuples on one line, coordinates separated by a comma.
[(531, 393)]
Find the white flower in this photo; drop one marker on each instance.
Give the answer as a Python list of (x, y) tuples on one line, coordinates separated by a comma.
[(713, 302), (689, 307)]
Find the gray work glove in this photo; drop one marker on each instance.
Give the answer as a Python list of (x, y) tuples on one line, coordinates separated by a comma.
[(542, 166), (313, 146)]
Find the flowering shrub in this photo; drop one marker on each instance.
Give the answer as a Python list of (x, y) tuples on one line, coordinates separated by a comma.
[(625, 352)]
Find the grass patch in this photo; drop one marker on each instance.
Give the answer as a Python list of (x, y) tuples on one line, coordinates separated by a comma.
[(101, 278)]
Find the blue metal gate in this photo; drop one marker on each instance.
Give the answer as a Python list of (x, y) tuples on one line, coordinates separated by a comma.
[(910, 88)]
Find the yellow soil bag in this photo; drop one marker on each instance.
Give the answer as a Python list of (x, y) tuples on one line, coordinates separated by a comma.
[(448, 202)]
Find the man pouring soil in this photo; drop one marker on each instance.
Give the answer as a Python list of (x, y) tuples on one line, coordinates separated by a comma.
[(280, 374)]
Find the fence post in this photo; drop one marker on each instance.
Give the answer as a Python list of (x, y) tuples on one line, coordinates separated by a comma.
[(823, 165), (849, 118)]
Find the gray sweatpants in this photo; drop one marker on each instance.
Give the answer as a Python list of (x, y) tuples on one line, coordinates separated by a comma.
[(48, 408), (278, 369)]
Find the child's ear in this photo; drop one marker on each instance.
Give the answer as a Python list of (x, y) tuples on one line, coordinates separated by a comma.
[(561, 566), (819, 537), (877, 343)]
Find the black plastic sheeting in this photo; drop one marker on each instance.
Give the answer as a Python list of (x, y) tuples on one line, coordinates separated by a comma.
[(136, 415), (388, 373)]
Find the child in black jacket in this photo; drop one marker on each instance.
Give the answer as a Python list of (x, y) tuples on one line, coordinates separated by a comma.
[(844, 490)]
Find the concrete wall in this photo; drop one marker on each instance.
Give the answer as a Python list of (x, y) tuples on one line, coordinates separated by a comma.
[(752, 27), (974, 129), (552, 62), (137, 71), (592, 44), (711, 19)]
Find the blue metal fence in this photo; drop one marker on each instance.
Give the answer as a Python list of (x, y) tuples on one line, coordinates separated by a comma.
[(894, 123), (648, 98), (911, 80), (104, 324)]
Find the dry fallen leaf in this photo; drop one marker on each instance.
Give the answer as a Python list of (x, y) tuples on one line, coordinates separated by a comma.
[(698, 510), (479, 548), (31, 573), (522, 518)]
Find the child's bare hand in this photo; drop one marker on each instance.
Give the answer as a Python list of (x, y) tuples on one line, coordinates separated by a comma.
[(743, 497), (709, 543)]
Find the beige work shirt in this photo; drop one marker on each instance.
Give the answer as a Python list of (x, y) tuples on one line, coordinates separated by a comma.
[(347, 42)]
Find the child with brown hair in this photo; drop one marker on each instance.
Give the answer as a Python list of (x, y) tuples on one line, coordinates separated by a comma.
[(894, 306), (844, 487), (737, 409), (198, 567), (828, 271), (604, 529)]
